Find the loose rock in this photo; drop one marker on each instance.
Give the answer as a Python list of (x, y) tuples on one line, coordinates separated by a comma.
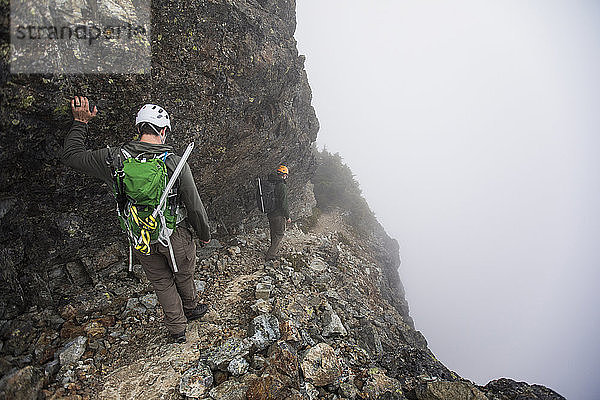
[(200, 285), (134, 307), (72, 351), (258, 362), (196, 381), (25, 383), (508, 388), (318, 265), (234, 250), (229, 390), (238, 366), (149, 301), (311, 392), (443, 390), (261, 306), (267, 387), (321, 366), (348, 389), (379, 385), (283, 361), (51, 369), (263, 290), (289, 331), (224, 354), (264, 331), (333, 324)]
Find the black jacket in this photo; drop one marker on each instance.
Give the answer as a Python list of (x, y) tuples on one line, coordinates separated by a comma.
[(281, 200)]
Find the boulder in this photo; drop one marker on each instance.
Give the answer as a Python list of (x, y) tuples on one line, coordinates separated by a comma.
[(267, 387), (23, 384), (264, 331), (229, 390), (283, 361), (444, 390), (505, 388), (196, 381), (378, 386), (221, 357), (72, 351), (320, 365)]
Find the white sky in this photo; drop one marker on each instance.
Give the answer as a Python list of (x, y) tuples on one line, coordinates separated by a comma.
[(472, 127)]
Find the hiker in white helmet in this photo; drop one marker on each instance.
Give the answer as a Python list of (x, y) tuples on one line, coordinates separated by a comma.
[(160, 233)]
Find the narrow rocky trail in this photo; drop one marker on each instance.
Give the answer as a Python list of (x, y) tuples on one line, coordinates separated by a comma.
[(153, 367), (321, 322), (239, 286), (157, 365)]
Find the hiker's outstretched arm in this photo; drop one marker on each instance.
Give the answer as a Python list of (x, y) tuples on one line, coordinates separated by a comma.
[(77, 156), (196, 212)]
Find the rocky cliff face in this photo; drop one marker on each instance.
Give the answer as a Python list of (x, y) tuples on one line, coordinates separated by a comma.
[(326, 321), (231, 76)]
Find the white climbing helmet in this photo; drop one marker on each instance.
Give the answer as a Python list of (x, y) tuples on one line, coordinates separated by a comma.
[(153, 114)]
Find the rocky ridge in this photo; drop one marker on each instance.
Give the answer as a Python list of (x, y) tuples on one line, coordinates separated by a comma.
[(314, 324), (327, 321)]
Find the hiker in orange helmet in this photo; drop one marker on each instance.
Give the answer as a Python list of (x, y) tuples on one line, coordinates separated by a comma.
[(280, 213)]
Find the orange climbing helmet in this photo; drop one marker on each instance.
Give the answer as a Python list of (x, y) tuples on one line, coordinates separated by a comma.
[(283, 169)]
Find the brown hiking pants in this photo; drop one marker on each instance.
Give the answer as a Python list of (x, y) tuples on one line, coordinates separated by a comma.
[(277, 227), (176, 292)]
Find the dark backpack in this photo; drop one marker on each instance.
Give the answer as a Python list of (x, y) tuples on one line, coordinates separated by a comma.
[(265, 196)]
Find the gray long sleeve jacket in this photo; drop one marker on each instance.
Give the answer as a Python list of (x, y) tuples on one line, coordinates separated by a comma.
[(93, 162)]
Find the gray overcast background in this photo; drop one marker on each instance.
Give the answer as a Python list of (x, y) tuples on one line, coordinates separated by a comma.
[(472, 127)]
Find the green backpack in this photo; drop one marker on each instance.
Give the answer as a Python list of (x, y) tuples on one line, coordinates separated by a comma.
[(147, 199), (139, 184)]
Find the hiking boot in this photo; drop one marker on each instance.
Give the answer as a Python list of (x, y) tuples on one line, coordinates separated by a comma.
[(197, 312), (178, 337)]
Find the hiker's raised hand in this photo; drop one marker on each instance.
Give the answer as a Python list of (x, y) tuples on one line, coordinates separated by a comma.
[(81, 110)]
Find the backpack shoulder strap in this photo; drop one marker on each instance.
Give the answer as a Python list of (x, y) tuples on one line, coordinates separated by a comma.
[(163, 156), (126, 153)]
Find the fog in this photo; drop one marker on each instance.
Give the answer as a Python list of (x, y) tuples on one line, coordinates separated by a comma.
[(473, 129)]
